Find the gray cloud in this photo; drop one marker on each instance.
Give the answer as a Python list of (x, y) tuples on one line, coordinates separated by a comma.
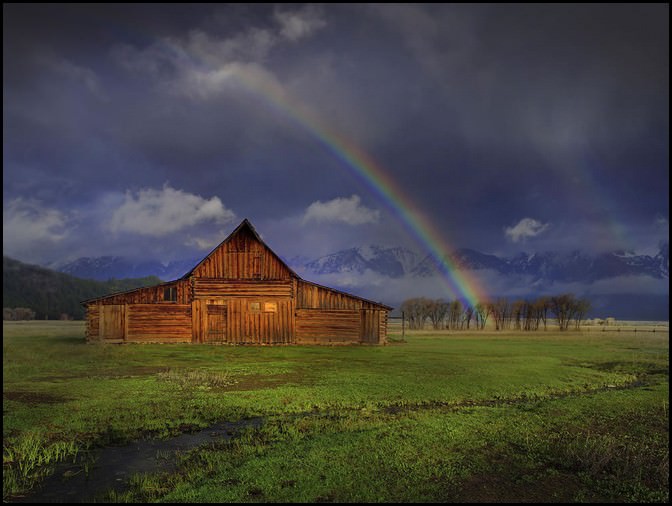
[(478, 114), (28, 226)]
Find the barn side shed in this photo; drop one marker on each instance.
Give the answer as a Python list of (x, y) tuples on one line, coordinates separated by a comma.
[(240, 293)]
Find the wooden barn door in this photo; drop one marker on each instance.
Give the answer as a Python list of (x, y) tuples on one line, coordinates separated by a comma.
[(113, 322), (370, 328), (216, 324)]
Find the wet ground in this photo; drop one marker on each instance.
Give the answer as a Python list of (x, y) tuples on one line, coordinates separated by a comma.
[(111, 467)]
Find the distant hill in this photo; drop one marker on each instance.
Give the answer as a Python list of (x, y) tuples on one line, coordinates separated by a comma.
[(50, 293), (116, 267)]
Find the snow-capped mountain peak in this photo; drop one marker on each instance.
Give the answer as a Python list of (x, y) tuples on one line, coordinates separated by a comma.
[(396, 262)]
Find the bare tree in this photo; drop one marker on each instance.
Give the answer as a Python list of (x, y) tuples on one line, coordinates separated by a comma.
[(481, 313), (581, 308), (563, 307), (542, 307), (530, 316), (518, 313), (468, 315), (501, 312), (437, 310), (416, 311), (454, 313), (24, 313)]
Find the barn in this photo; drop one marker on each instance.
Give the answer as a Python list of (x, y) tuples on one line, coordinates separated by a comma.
[(241, 293)]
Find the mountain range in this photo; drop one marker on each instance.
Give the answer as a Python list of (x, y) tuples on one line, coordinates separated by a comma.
[(397, 262), (379, 273)]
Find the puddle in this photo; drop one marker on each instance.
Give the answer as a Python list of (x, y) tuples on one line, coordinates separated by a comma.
[(111, 467)]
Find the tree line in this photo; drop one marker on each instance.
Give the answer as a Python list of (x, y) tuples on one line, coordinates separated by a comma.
[(520, 314), (33, 292)]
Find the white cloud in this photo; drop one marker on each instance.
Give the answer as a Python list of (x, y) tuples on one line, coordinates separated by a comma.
[(302, 23), (28, 226), (205, 84), (343, 210), (527, 227), (199, 64), (206, 243), (161, 212)]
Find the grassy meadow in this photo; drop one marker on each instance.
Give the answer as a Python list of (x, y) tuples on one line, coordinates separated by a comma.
[(434, 417)]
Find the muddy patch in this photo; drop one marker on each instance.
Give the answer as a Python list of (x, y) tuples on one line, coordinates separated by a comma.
[(130, 372), (127, 372), (256, 382), (520, 400), (104, 469), (507, 487), (34, 397), (643, 368)]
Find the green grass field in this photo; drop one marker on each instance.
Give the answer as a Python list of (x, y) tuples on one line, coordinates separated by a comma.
[(458, 417)]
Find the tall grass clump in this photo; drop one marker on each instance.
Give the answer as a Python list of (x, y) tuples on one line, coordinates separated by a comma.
[(27, 459), (196, 378)]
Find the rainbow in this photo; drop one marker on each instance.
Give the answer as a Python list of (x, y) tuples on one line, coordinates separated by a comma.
[(458, 283)]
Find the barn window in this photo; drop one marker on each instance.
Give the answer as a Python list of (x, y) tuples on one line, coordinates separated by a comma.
[(270, 307), (255, 307), (170, 294)]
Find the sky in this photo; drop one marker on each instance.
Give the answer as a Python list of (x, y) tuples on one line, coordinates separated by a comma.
[(153, 130)]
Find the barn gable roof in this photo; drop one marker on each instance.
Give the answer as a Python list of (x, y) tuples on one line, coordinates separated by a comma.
[(124, 292), (389, 308), (245, 225)]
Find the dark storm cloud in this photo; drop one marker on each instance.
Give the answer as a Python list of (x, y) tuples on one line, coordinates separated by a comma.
[(485, 116)]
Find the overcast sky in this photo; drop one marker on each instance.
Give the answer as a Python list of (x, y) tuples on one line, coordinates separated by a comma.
[(152, 130)]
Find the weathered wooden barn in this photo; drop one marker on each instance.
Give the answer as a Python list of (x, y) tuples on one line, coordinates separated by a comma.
[(241, 293)]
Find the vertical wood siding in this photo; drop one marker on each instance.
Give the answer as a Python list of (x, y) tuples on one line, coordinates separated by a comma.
[(242, 257), (370, 329), (152, 294), (92, 322), (312, 296), (243, 323), (382, 335), (113, 322)]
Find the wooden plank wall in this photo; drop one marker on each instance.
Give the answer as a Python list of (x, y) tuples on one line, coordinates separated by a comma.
[(241, 271), (370, 329), (311, 296), (322, 326), (112, 322), (157, 323), (382, 335), (92, 322), (242, 257), (152, 294), (215, 288), (245, 326), (266, 327)]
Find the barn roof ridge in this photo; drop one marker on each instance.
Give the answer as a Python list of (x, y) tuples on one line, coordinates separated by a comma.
[(256, 235), (248, 224)]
